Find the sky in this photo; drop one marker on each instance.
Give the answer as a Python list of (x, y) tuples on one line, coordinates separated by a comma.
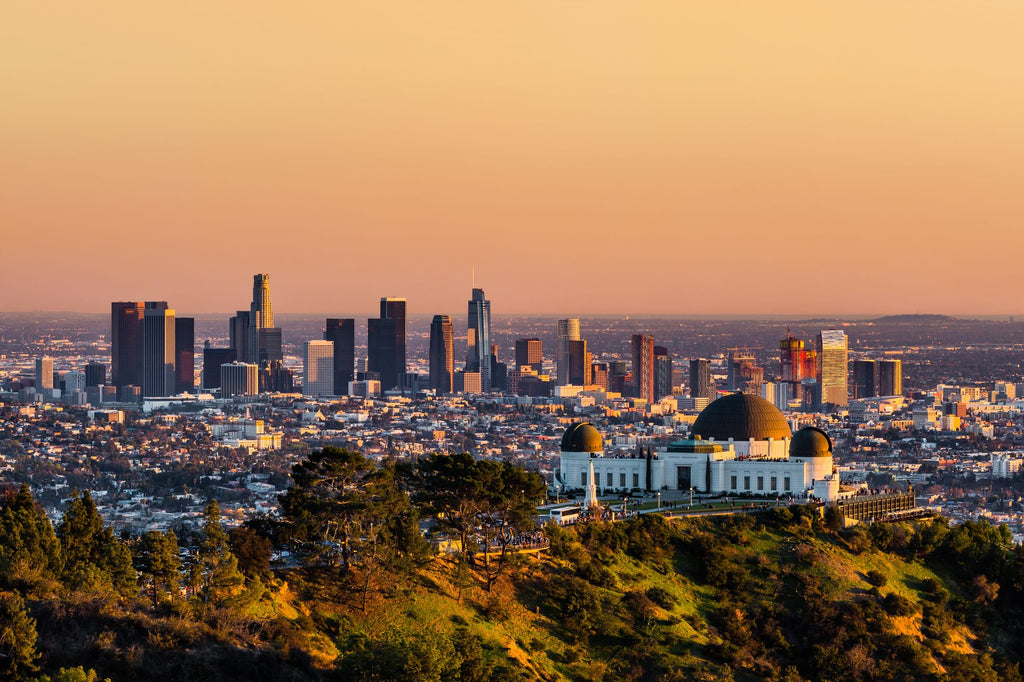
[(711, 157)]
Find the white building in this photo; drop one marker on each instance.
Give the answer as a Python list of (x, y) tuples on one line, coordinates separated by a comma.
[(318, 368), (741, 444)]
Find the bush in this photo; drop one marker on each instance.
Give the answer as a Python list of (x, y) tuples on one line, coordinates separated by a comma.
[(661, 597), (877, 578)]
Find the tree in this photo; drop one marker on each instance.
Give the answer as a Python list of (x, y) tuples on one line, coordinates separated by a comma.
[(93, 555), (219, 575), (160, 565), (28, 544), (252, 551), (17, 638)]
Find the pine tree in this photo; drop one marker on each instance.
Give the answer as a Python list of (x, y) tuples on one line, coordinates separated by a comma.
[(93, 555), (220, 579), (17, 638), (28, 545), (160, 565)]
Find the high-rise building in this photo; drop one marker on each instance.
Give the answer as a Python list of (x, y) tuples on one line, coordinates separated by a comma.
[(478, 340), (95, 374), (702, 384), (832, 367), (380, 351), (499, 371), (442, 354), (239, 378), (890, 377), (263, 339), (184, 354), (342, 332), (568, 330), (740, 361), (158, 349), (238, 331), (395, 309), (318, 368), (579, 363), (599, 374), (643, 366), (126, 343), (44, 374), (213, 358), (529, 354), (796, 362), (662, 373), (864, 379)]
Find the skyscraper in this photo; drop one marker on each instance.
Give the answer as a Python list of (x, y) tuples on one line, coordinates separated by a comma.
[(529, 353), (478, 341), (380, 351), (342, 332), (238, 331), (238, 378), (318, 368), (442, 354), (702, 384), (864, 379), (643, 366), (213, 358), (740, 367), (832, 367), (796, 362), (662, 373), (890, 377), (579, 363), (263, 340), (126, 343), (395, 309), (158, 349), (95, 374), (184, 354), (568, 330), (44, 374)]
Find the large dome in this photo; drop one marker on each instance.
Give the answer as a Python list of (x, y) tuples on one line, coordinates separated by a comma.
[(810, 442), (742, 417), (582, 437)]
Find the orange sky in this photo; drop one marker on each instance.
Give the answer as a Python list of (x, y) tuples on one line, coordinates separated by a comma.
[(587, 157)]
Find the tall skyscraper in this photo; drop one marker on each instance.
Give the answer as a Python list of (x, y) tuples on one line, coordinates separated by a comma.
[(499, 371), (864, 379), (380, 351), (529, 354), (342, 332), (395, 309), (44, 374), (643, 366), (740, 368), (568, 330), (126, 343), (238, 331), (442, 354), (890, 377), (579, 363), (702, 384), (263, 340), (478, 341), (832, 367), (158, 349), (184, 354), (662, 373), (318, 368)]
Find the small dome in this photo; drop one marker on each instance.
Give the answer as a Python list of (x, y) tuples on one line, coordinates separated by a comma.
[(582, 437), (741, 416), (810, 442)]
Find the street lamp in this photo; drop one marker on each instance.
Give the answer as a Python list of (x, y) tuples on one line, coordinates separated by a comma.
[(659, 501), (691, 496)]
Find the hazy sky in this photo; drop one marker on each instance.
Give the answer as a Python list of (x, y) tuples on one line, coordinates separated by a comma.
[(585, 157)]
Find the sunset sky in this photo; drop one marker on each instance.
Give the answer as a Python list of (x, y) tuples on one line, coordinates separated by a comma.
[(585, 157)]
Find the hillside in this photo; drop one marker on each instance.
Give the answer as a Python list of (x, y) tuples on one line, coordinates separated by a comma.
[(744, 598)]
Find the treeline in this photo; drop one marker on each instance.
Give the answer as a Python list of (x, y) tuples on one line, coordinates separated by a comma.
[(351, 527)]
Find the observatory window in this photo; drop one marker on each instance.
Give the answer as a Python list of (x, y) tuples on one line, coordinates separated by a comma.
[(636, 480), (583, 478), (746, 482), (622, 480), (760, 482), (785, 483), (733, 483), (775, 484), (609, 479)]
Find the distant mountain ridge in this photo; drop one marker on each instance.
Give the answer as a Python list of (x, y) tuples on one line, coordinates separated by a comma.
[(914, 319)]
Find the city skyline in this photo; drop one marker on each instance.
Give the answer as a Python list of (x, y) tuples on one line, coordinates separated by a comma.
[(810, 135)]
